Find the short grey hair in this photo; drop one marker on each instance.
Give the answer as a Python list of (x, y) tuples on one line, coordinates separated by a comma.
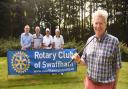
[(100, 13)]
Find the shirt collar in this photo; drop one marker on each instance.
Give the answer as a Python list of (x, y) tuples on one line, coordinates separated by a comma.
[(26, 34), (38, 35), (101, 38), (58, 36)]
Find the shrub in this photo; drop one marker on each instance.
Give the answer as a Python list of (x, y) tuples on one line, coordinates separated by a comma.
[(124, 51), (73, 44), (8, 44), (14, 44)]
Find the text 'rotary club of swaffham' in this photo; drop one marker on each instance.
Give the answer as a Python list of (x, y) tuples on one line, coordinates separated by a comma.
[(41, 55)]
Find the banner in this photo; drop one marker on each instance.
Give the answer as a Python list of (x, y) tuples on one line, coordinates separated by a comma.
[(40, 61)]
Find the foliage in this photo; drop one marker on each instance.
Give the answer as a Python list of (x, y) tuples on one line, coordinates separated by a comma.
[(14, 43), (67, 14), (8, 44), (124, 51), (73, 44)]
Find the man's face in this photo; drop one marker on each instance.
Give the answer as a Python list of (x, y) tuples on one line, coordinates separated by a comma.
[(37, 30), (47, 33), (26, 29), (57, 33), (99, 26)]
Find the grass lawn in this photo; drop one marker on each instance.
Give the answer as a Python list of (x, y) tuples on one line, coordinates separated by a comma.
[(72, 80)]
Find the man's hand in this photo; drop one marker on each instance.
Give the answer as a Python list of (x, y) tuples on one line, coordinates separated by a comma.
[(76, 58), (49, 45), (23, 48)]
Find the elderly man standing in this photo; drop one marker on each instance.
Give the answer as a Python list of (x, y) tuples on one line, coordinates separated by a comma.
[(58, 40), (47, 40), (101, 56), (26, 38), (37, 41)]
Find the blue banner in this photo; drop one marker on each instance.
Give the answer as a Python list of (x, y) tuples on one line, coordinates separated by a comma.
[(40, 61)]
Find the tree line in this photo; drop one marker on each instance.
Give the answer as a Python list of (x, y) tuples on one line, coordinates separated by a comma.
[(73, 17)]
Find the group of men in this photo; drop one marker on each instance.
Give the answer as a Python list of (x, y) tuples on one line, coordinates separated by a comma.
[(38, 41), (101, 56)]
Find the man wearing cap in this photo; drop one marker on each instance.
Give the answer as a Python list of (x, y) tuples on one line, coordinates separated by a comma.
[(47, 40), (58, 42), (26, 38), (37, 39)]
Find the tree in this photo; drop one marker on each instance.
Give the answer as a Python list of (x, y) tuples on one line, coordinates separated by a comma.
[(71, 16)]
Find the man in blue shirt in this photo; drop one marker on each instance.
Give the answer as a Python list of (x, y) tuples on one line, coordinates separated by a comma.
[(26, 38), (101, 56)]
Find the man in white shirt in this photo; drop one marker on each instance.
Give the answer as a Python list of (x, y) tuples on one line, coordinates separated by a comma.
[(37, 39), (58, 40), (47, 40)]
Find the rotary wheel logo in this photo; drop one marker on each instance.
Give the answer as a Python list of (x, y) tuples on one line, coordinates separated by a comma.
[(20, 62)]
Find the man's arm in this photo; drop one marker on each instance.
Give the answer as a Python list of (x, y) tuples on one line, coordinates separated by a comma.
[(21, 42), (82, 62)]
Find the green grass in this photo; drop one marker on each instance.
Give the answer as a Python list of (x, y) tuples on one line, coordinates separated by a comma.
[(72, 80)]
